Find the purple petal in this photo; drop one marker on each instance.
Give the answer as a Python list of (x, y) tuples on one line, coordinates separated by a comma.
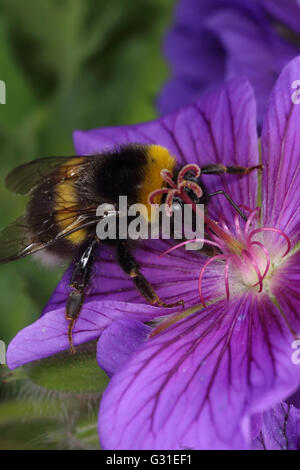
[(220, 128), (281, 156), (183, 51), (207, 44), (239, 33), (229, 117), (255, 425), (295, 399), (173, 276), (113, 296), (280, 429), (285, 288), (179, 92), (48, 335), (287, 12), (196, 384), (188, 46), (118, 342)]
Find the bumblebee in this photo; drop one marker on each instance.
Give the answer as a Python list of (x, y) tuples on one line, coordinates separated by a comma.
[(60, 219)]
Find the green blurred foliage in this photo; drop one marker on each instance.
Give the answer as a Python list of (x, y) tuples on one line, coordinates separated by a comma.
[(67, 64), (34, 417), (65, 373)]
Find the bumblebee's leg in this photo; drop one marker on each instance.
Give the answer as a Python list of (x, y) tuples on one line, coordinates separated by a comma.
[(234, 205), (131, 267), (218, 169), (80, 280)]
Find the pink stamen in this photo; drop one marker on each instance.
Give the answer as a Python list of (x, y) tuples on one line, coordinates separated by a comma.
[(155, 193), (193, 186), (254, 264), (180, 190), (267, 257), (226, 277), (224, 225), (168, 177), (200, 240), (253, 214), (275, 230), (233, 246), (211, 260), (188, 168), (238, 226), (169, 202), (246, 208)]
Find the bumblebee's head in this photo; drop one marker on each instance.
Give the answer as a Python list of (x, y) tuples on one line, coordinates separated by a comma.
[(183, 186), (191, 177)]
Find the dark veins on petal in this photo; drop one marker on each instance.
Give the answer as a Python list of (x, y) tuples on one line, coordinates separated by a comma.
[(280, 429), (207, 362)]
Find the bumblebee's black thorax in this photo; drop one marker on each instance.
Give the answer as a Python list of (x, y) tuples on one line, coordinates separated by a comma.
[(113, 174)]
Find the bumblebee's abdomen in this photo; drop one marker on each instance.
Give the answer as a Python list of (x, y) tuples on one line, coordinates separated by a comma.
[(53, 210), (67, 206)]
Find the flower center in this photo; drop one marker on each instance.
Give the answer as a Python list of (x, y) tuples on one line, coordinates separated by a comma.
[(242, 249)]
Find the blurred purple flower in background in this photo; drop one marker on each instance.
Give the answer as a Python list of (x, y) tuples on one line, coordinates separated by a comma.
[(215, 378), (215, 40)]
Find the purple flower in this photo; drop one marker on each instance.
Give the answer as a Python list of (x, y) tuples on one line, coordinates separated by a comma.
[(215, 40), (286, 13), (206, 379), (279, 429)]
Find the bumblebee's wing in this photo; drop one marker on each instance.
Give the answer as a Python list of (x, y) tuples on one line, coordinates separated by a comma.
[(26, 177), (16, 242), (17, 239)]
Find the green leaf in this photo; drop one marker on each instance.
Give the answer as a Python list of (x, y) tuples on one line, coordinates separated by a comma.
[(78, 373)]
